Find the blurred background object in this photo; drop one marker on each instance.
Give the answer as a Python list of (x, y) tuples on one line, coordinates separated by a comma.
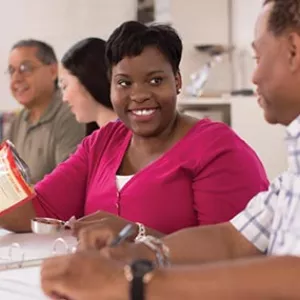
[(200, 77)]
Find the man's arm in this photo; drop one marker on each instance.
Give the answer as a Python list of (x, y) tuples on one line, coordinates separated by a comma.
[(188, 246), (258, 278), (208, 243)]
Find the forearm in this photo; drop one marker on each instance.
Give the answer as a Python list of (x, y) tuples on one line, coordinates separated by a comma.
[(258, 278), (208, 243), (18, 219)]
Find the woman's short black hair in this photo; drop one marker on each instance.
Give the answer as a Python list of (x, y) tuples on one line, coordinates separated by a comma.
[(132, 37), (86, 61)]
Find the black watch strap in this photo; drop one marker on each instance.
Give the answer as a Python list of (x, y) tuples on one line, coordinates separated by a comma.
[(138, 273), (137, 289)]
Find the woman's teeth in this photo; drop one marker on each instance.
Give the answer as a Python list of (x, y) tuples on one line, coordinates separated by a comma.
[(143, 112)]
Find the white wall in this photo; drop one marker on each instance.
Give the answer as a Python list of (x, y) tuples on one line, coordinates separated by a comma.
[(247, 119), (59, 22), (244, 14)]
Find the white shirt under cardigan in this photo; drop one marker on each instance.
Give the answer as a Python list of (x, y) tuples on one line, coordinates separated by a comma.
[(271, 221), (121, 180)]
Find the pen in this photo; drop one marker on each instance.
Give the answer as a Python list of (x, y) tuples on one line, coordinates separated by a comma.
[(127, 231)]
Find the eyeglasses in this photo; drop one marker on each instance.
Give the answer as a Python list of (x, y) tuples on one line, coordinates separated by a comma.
[(25, 69)]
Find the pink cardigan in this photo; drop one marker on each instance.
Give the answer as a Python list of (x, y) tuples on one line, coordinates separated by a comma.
[(206, 178)]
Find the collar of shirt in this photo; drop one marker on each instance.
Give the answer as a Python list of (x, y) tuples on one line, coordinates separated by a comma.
[(50, 111), (293, 145)]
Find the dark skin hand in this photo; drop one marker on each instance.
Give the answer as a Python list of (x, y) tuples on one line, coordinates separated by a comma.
[(88, 276), (12, 220), (83, 275), (187, 246), (95, 225)]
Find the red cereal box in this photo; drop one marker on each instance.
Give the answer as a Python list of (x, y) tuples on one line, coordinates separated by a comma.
[(15, 185)]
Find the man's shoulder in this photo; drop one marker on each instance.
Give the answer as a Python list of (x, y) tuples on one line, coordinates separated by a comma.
[(64, 112), (65, 121), (17, 115), (59, 110), (14, 120), (64, 115)]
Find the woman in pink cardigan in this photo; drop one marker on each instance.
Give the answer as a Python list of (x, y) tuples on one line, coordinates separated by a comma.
[(155, 166)]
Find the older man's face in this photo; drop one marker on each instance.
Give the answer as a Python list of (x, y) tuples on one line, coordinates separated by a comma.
[(277, 72), (31, 81)]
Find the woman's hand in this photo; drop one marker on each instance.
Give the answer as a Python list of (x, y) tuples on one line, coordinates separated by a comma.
[(99, 237), (102, 221), (83, 275)]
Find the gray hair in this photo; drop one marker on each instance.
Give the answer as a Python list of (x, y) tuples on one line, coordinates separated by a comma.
[(45, 52)]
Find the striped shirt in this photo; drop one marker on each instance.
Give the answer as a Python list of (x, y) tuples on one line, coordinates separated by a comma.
[(271, 221)]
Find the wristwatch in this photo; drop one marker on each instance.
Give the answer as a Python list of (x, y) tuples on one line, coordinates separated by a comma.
[(138, 273)]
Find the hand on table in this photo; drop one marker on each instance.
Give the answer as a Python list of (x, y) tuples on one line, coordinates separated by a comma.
[(104, 222), (83, 275), (98, 230)]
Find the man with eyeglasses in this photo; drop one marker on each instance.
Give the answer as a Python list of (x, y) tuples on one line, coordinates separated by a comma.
[(45, 132)]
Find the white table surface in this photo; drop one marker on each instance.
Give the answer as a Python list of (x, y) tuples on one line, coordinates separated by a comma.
[(24, 283)]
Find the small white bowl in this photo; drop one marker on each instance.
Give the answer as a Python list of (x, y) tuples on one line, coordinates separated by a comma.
[(46, 225)]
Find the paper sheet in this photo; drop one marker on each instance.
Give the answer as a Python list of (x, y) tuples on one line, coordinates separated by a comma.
[(24, 284)]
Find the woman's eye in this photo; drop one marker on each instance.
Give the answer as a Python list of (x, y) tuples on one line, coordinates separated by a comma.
[(124, 83), (156, 81)]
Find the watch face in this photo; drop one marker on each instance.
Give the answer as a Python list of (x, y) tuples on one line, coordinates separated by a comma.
[(141, 267)]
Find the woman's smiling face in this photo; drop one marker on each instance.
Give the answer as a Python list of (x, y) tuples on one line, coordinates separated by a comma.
[(143, 92)]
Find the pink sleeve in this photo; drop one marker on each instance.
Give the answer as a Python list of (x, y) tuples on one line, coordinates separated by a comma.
[(61, 194), (228, 180)]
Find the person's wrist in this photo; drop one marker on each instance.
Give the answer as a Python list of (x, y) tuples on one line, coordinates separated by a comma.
[(162, 251), (162, 285), (119, 289), (153, 287), (142, 251), (139, 273)]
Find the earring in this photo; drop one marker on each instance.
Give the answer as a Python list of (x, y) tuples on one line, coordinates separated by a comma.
[(179, 91)]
